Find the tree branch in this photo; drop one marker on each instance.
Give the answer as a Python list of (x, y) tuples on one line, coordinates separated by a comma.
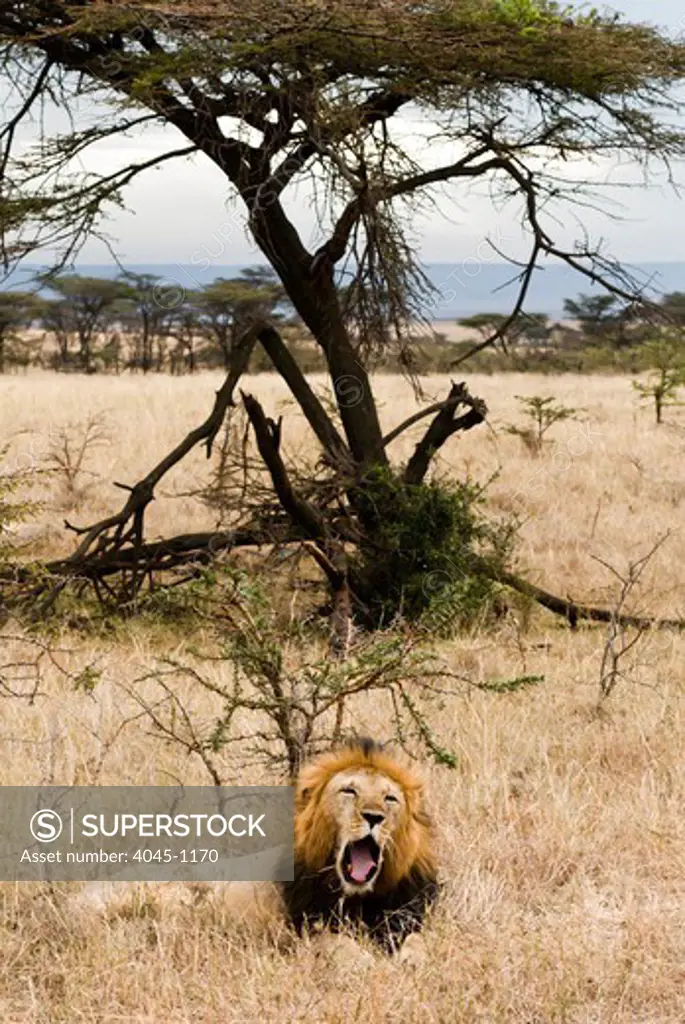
[(442, 428), (110, 534), (314, 412), (300, 511), (10, 127), (571, 611)]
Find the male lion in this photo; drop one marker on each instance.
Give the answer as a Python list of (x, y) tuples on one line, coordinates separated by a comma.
[(363, 846), (363, 857)]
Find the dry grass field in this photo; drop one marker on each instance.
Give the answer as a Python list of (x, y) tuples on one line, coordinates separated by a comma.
[(561, 830)]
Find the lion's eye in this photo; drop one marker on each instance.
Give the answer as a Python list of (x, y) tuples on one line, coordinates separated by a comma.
[(390, 799), (349, 790)]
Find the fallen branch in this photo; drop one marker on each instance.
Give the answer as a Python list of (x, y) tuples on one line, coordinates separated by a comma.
[(572, 612), (114, 532)]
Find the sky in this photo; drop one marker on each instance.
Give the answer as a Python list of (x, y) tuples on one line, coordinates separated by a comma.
[(184, 212)]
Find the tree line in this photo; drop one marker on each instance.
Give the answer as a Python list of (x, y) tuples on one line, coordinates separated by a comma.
[(134, 322), (601, 319), (142, 323)]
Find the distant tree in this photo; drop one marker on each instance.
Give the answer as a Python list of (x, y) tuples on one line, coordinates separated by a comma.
[(529, 326), (55, 316), (534, 327), (674, 305), (667, 365), (146, 308), (484, 323), (81, 312), (17, 311), (227, 308), (184, 327), (602, 318)]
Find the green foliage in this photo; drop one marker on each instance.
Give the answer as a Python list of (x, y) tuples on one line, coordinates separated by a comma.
[(542, 414), (282, 697), (86, 680), (183, 605), (441, 755), (13, 508), (510, 685), (295, 693), (429, 555), (666, 358)]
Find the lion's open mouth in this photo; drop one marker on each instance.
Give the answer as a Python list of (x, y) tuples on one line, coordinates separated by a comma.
[(361, 860)]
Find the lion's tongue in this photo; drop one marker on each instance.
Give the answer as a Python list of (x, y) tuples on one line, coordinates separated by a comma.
[(361, 862)]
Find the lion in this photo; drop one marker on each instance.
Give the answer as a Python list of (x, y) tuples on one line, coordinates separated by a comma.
[(364, 847), (363, 860)]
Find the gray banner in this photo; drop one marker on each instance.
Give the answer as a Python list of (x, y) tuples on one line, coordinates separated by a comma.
[(146, 833)]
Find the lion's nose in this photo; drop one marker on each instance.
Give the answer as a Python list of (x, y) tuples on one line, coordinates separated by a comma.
[(373, 819)]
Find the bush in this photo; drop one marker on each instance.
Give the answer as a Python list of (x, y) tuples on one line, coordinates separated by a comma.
[(429, 556), (281, 697), (13, 509)]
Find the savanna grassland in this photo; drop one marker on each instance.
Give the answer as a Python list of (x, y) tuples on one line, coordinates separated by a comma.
[(561, 828)]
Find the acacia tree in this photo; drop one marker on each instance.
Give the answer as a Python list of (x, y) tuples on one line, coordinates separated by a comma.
[(227, 309), (81, 311), (605, 318), (18, 310), (146, 316), (674, 304), (280, 92), (184, 326)]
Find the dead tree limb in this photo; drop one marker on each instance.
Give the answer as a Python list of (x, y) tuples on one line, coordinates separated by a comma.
[(166, 554), (267, 436), (126, 525), (572, 612), (314, 412), (441, 429), (416, 417)]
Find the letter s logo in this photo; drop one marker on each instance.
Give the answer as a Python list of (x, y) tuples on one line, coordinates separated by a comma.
[(46, 826)]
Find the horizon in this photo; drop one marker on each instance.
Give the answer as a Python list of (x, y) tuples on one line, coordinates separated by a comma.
[(461, 288)]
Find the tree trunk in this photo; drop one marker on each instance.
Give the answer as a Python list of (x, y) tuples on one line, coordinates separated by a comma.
[(146, 345), (313, 293), (85, 353)]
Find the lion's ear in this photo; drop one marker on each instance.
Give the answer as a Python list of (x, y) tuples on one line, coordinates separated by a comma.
[(417, 804), (304, 787)]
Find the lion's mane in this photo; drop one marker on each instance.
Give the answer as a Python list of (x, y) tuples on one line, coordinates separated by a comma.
[(407, 883)]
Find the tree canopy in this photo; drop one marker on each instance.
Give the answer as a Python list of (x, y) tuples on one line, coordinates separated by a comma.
[(520, 94), (269, 89)]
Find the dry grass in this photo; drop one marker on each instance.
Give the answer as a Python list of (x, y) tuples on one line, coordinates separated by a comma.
[(561, 830)]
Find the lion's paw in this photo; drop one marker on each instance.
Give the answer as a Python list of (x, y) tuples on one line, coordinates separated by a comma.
[(413, 952), (342, 953)]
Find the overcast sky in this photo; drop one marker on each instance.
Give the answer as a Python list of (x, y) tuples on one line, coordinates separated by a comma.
[(184, 208)]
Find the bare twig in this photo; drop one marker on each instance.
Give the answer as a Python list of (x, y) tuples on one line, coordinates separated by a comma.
[(617, 644)]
